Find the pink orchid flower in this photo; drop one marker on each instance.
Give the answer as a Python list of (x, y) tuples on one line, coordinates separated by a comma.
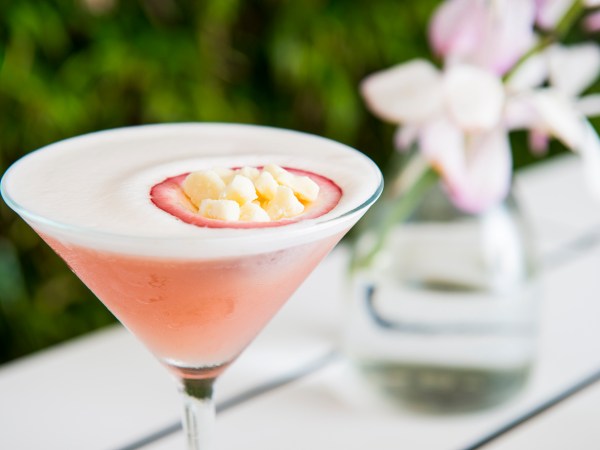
[(456, 117), (557, 109), (492, 34), (460, 116)]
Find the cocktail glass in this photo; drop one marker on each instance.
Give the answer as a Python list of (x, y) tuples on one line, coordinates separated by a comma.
[(195, 297)]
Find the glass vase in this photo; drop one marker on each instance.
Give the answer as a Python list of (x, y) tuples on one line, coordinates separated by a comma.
[(442, 310)]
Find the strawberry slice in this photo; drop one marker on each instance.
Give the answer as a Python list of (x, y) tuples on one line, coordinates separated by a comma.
[(168, 195)]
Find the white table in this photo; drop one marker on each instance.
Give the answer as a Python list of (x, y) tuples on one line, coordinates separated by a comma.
[(104, 391)]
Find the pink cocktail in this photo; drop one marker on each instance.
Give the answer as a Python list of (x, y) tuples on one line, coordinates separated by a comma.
[(195, 315), (194, 295)]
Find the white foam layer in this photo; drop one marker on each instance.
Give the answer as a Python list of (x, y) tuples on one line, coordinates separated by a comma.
[(94, 190)]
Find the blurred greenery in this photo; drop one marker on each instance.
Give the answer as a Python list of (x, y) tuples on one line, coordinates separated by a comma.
[(73, 66)]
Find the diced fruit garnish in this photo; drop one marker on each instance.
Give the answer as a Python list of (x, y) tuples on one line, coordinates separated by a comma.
[(284, 204), (251, 212), (250, 172), (266, 186), (246, 197), (241, 189), (281, 175), (200, 185), (305, 188), (225, 174), (219, 209)]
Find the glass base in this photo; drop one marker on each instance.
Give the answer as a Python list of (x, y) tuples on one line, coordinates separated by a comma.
[(445, 390)]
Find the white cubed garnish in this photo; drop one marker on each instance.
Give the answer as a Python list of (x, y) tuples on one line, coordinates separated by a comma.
[(228, 210), (284, 204), (225, 174), (250, 194), (240, 189), (305, 188), (281, 175), (266, 186), (252, 212), (203, 185), (249, 172)]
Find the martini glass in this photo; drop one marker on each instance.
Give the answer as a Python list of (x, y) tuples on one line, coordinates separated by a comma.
[(195, 296)]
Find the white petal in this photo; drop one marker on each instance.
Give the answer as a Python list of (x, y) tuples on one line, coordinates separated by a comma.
[(574, 68), (532, 73), (509, 34), (589, 105), (443, 144), (489, 34), (477, 171), (457, 27), (488, 172), (559, 117), (405, 136), (409, 92), (440, 137), (546, 111), (590, 154), (520, 112), (474, 97), (592, 3)]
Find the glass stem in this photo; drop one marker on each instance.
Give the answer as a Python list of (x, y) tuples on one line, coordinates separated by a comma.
[(198, 412)]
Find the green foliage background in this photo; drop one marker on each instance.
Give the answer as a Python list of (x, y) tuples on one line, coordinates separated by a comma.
[(73, 66)]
